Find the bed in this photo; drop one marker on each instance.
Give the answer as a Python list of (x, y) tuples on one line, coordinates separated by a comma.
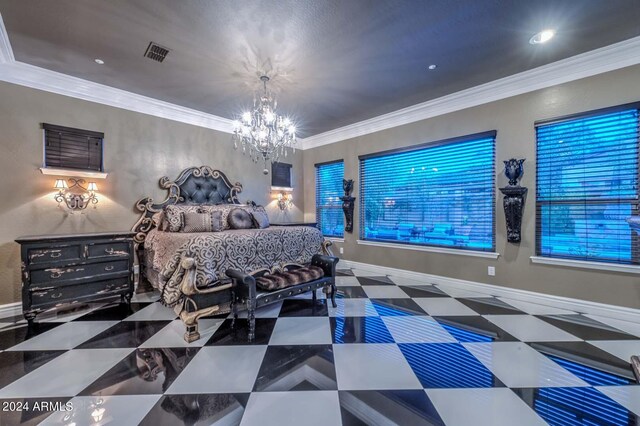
[(189, 268)]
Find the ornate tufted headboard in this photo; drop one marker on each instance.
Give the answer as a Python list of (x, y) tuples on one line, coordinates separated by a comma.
[(195, 185)]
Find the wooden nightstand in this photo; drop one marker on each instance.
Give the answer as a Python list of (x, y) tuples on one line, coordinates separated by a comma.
[(64, 269)]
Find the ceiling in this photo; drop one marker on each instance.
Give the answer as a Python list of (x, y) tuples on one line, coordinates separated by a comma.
[(332, 62)]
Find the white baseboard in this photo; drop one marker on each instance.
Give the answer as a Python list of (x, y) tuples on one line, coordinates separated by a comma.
[(10, 309), (577, 305)]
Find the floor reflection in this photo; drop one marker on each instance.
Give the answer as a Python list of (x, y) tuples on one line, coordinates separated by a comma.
[(473, 329), (397, 307), (576, 406), (125, 334), (359, 330), (144, 371), (308, 367), (399, 407), (591, 364), (202, 409), (447, 365)]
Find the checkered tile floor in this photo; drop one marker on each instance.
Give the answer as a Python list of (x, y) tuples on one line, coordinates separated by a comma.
[(394, 351)]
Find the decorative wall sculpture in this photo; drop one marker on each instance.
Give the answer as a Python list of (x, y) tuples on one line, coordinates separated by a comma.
[(348, 204), (514, 198)]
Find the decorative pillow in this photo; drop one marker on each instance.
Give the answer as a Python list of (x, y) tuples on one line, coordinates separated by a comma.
[(280, 280), (224, 209), (202, 222), (239, 218), (260, 219), (173, 214)]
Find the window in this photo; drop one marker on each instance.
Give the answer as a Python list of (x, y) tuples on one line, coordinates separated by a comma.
[(68, 148), (587, 186), (328, 204), (441, 194)]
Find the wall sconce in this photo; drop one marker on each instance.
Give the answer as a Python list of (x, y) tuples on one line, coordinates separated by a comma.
[(285, 200), (76, 196)]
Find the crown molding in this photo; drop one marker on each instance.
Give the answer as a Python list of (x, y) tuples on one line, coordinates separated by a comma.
[(6, 52), (62, 84), (608, 58)]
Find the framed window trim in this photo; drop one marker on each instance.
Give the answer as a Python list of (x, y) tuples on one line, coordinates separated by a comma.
[(47, 169), (576, 262), (317, 166), (437, 248)]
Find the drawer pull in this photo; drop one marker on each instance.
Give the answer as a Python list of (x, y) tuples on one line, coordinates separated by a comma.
[(57, 273), (56, 296), (109, 268), (112, 252), (56, 254)]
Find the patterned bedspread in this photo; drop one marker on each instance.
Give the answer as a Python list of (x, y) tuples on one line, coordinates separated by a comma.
[(215, 252)]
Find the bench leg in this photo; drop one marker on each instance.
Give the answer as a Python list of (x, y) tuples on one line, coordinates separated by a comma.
[(234, 311), (191, 334), (251, 318), (333, 295), (313, 296)]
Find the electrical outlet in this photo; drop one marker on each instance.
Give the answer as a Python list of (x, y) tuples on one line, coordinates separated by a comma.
[(341, 250), (491, 270)]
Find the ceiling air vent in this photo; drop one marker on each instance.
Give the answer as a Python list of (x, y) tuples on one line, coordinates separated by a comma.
[(156, 52)]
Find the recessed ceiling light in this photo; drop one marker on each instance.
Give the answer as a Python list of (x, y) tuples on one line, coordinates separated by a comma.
[(542, 37), (433, 66), (99, 61)]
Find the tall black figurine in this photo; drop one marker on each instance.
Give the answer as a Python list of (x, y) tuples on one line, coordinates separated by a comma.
[(348, 204), (514, 198)]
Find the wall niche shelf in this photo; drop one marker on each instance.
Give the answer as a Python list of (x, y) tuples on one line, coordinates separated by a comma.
[(52, 171)]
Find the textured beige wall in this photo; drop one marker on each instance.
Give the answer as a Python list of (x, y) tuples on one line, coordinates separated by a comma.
[(513, 118), (138, 150)]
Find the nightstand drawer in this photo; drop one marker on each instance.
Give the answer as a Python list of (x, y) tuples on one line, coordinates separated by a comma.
[(112, 248), (53, 275), (72, 293), (54, 254)]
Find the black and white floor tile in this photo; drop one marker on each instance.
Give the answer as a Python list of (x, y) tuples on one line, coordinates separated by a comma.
[(394, 351)]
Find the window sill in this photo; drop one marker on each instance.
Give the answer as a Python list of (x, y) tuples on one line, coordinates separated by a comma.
[(584, 264), (73, 173), (443, 250), (335, 239)]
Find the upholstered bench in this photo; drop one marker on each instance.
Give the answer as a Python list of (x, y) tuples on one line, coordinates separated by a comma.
[(265, 286)]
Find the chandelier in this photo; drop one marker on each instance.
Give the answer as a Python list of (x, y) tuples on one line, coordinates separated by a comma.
[(263, 133)]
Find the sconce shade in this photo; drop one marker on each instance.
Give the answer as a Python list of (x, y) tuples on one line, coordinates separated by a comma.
[(284, 200), (76, 196), (60, 184)]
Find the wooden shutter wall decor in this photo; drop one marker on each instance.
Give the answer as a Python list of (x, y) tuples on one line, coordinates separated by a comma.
[(69, 148), (281, 175)]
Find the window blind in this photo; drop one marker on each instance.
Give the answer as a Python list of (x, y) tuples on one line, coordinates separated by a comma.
[(69, 148), (440, 194), (587, 186), (329, 213)]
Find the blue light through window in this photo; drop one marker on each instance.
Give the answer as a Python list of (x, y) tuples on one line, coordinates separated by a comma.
[(329, 213), (587, 186), (441, 194)]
